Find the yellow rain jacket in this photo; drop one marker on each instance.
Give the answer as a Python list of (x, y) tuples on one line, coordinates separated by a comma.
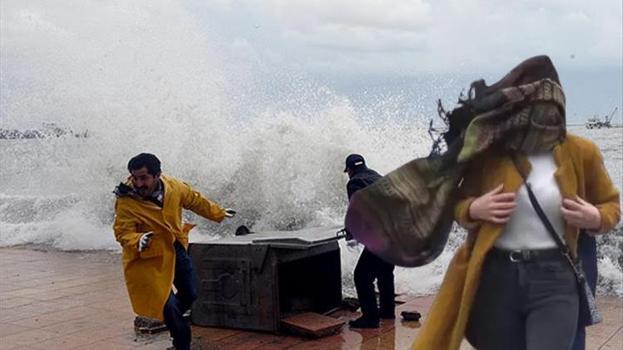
[(149, 274), (580, 172)]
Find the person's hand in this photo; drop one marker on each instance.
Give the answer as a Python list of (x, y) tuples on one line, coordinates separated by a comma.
[(348, 236), (352, 243), (143, 242), (230, 213), (494, 206), (581, 214)]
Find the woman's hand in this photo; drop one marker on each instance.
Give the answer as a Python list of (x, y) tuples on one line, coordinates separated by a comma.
[(494, 206), (581, 214)]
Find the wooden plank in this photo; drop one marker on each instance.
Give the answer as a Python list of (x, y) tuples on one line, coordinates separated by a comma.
[(312, 324)]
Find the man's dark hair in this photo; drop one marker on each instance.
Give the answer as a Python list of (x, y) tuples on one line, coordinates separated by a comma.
[(147, 160)]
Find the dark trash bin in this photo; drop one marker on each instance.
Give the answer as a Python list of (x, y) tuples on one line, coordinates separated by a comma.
[(255, 280)]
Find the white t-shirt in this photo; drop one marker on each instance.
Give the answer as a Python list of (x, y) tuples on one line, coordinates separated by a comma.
[(525, 230)]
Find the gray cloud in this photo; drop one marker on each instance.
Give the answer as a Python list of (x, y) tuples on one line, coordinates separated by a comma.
[(441, 35)]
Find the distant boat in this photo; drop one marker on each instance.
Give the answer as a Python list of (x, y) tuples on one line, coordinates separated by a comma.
[(597, 123)]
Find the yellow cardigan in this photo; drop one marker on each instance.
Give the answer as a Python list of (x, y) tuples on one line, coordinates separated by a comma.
[(580, 171), (149, 274)]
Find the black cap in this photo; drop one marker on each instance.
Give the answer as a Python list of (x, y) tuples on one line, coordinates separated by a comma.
[(353, 161)]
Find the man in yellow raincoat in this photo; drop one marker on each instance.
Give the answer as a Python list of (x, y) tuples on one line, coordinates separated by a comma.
[(148, 225)]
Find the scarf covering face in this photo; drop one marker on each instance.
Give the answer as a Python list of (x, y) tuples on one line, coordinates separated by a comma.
[(406, 216), (531, 118)]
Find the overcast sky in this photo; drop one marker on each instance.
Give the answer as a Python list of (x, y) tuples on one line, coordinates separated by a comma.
[(409, 36), (356, 36), (56, 55)]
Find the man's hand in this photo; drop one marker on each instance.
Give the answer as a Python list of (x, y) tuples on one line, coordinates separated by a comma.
[(494, 206), (143, 242), (352, 243), (348, 236), (230, 213), (581, 214)]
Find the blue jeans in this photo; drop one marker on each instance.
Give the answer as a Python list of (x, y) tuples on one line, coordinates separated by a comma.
[(186, 283), (519, 305)]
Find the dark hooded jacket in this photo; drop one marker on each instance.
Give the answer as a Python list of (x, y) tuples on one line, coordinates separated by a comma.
[(362, 178)]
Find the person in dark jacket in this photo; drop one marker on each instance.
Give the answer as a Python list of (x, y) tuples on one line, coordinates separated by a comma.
[(369, 267)]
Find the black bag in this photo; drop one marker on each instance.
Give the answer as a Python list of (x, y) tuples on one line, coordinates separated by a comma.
[(588, 312)]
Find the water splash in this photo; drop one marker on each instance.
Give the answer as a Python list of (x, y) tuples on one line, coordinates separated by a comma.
[(146, 76)]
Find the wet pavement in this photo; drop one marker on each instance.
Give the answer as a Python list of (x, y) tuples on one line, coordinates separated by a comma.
[(77, 300)]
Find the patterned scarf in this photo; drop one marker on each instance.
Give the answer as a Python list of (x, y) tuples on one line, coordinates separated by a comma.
[(406, 216), (527, 118)]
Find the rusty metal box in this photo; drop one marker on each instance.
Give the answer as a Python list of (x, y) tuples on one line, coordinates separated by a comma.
[(253, 281)]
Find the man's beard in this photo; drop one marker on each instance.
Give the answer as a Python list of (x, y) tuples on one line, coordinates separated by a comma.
[(143, 191)]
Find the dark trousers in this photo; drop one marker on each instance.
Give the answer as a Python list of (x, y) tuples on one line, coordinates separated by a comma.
[(587, 251), (186, 283), (523, 305), (371, 267)]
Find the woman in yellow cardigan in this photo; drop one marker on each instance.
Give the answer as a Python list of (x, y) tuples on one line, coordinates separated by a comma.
[(508, 286)]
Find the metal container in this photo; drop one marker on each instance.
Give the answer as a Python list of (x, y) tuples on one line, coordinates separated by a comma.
[(253, 281)]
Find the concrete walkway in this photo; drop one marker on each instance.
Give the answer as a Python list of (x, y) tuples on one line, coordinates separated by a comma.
[(60, 300)]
